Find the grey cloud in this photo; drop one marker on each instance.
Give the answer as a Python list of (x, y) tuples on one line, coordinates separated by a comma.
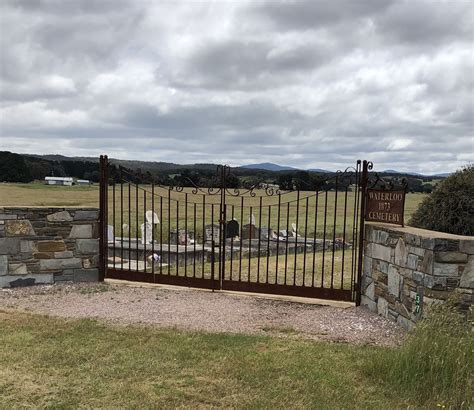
[(302, 15), (195, 120), (69, 7), (306, 83), (426, 22), (257, 64)]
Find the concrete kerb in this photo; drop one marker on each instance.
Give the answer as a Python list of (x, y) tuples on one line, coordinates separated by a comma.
[(284, 298)]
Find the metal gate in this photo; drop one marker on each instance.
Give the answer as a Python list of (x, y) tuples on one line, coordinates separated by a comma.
[(302, 241)]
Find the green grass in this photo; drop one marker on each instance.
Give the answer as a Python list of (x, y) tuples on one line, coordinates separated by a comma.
[(50, 363), (55, 363), (436, 364), (300, 273)]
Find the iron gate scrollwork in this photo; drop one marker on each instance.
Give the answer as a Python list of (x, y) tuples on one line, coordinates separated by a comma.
[(301, 241)]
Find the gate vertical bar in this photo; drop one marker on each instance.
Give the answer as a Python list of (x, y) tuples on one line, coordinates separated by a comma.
[(224, 169), (363, 190), (101, 219), (103, 164)]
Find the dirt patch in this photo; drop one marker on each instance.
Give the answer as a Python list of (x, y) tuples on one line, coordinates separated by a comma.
[(200, 310)]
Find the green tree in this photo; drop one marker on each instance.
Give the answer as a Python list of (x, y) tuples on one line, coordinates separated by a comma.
[(13, 168), (450, 207)]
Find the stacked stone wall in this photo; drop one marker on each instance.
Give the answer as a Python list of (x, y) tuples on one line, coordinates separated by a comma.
[(407, 269), (47, 245)]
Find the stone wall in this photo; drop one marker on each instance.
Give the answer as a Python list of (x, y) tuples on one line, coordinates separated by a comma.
[(407, 269), (47, 245)]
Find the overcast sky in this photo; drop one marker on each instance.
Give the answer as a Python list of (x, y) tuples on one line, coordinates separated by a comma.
[(304, 83)]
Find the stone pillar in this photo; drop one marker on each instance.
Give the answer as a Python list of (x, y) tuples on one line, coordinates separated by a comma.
[(47, 245)]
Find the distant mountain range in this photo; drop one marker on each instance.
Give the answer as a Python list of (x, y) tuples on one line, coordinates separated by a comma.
[(416, 174), (270, 166), (154, 166)]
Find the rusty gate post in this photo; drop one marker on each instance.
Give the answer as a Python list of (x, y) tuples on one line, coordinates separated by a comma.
[(103, 230), (363, 190)]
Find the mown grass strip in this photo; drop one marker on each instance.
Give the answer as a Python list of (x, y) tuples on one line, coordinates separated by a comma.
[(49, 362)]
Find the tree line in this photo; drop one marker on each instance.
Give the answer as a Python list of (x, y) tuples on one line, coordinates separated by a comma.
[(26, 168)]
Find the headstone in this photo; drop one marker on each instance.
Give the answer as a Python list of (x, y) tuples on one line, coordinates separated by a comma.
[(110, 233), (250, 231), (211, 232), (267, 233), (152, 217), (294, 230), (147, 233), (232, 229), (181, 237), (252, 220), (125, 229)]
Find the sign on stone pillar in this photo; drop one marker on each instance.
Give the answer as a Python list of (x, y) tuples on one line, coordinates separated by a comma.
[(385, 206)]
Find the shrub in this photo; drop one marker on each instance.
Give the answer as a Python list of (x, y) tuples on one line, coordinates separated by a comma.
[(435, 365), (450, 207)]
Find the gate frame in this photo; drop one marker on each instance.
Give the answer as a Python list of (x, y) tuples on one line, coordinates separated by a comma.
[(222, 284), (366, 166)]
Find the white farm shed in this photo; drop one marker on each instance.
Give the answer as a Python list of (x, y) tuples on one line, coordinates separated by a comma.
[(83, 182), (59, 181)]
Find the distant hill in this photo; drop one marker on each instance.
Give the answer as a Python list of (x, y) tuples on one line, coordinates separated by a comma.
[(29, 167), (394, 171), (170, 167), (417, 174), (269, 166), (324, 171)]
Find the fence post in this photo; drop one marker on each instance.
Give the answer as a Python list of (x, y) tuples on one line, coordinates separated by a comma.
[(363, 188), (103, 230)]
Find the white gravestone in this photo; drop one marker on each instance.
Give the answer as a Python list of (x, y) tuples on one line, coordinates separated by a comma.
[(147, 233), (294, 230), (152, 217), (110, 233), (252, 220)]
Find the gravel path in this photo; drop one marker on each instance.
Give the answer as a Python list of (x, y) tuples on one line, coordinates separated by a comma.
[(200, 310)]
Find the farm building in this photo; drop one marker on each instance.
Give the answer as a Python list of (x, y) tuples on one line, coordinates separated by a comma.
[(59, 180), (82, 182)]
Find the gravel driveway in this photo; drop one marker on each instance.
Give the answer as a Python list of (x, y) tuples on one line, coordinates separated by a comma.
[(201, 310)]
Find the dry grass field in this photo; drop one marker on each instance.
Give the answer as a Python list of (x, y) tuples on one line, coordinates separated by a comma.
[(333, 209)]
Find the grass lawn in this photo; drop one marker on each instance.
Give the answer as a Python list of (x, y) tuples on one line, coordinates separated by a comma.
[(300, 273), (48, 362)]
